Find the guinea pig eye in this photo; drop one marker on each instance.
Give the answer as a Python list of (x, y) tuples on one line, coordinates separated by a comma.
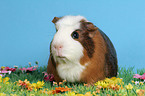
[(75, 35)]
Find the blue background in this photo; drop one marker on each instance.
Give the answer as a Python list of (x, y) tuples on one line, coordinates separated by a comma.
[(26, 29)]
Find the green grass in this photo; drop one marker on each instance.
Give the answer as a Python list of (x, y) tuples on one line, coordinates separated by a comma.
[(37, 75)]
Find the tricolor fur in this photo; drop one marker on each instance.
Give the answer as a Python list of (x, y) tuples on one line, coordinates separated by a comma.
[(82, 59)]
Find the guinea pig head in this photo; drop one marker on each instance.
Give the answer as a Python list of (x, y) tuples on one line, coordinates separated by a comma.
[(73, 35)]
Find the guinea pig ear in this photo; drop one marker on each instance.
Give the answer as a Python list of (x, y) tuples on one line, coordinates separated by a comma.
[(55, 19), (90, 27)]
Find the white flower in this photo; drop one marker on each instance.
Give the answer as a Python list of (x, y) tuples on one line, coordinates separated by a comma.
[(136, 82), (36, 66), (9, 72), (117, 73), (15, 66)]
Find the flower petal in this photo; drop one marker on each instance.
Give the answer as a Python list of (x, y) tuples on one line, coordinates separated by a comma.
[(137, 76), (3, 71), (22, 69)]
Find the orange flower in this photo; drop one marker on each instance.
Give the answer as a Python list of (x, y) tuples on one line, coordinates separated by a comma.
[(60, 89), (64, 81), (60, 83), (21, 83), (97, 90), (25, 84), (114, 86), (30, 88), (87, 85), (46, 91), (140, 92)]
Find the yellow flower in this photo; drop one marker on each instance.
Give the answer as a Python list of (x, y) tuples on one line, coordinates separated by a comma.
[(88, 94), (40, 84), (113, 83), (80, 95), (129, 86), (3, 67), (2, 94), (13, 95), (70, 94), (140, 83), (7, 83), (116, 80), (108, 80), (35, 89), (101, 83), (113, 78), (34, 85), (37, 85), (5, 80), (132, 81), (32, 94), (0, 78)]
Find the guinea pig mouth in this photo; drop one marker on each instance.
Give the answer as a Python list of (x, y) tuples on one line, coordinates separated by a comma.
[(61, 57)]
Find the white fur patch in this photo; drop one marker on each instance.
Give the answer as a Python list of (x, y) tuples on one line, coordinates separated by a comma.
[(69, 68), (70, 72)]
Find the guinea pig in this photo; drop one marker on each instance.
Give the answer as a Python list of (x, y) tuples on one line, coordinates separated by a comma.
[(80, 52)]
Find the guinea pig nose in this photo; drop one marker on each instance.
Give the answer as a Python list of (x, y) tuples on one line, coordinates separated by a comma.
[(58, 47)]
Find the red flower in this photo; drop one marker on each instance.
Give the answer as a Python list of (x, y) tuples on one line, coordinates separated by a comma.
[(22, 69), (31, 69), (47, 76), (27, 69), (139, 76), (10, 69), (143, 76)]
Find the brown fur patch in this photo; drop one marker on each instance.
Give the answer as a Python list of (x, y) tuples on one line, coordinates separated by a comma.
[(95, 69), (51, 69), (86, 33), (55, 19)]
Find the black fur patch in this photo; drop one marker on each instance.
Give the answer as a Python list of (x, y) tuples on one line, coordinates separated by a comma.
[(88, 44), (111, 67), (85, 39)]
